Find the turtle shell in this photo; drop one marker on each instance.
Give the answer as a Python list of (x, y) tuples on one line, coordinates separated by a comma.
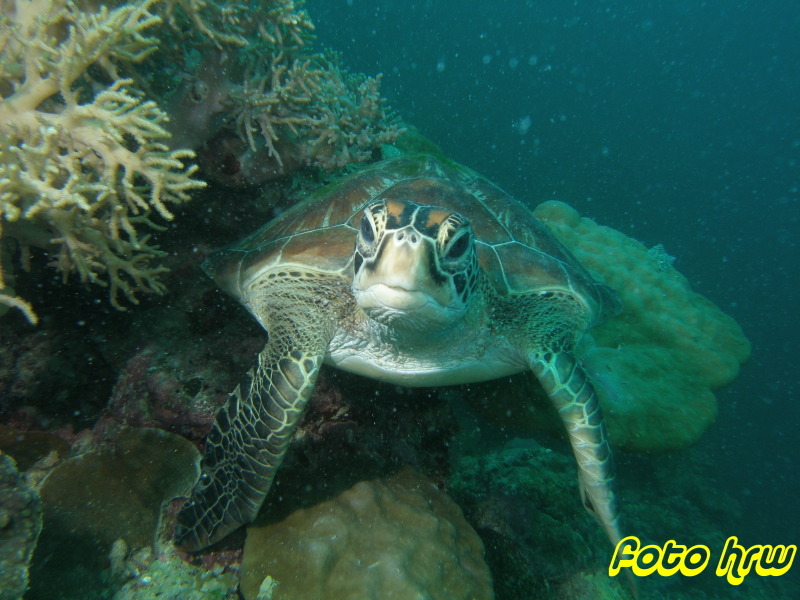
[(516, 251)]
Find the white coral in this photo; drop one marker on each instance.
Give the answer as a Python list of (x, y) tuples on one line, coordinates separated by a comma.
[(83, 161)]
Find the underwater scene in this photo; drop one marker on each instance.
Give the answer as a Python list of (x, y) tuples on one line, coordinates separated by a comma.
[(349, 299)]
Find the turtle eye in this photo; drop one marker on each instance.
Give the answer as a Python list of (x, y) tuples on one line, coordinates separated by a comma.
[(367, 232), (459, 247)]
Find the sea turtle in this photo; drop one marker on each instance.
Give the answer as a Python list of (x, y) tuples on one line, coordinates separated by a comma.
[(414, 271)]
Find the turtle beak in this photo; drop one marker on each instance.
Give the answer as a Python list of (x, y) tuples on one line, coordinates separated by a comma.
[(401, 286), (404, 272)]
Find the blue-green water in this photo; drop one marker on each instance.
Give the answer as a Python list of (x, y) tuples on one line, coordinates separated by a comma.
[(675, 122)]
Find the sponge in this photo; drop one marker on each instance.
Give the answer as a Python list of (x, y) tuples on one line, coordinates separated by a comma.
[(657, 363)]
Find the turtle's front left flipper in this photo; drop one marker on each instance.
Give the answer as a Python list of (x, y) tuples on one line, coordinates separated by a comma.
[(576, 401), (248, 441)]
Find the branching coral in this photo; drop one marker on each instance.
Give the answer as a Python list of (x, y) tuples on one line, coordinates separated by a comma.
[(83, 142), (321, 115), (82, 158), (280, 23), (260, 103)]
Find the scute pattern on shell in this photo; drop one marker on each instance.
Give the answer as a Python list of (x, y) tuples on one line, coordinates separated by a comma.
[(518, 254)]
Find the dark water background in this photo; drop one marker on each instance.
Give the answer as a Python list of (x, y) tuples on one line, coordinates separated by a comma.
[(676, 122)]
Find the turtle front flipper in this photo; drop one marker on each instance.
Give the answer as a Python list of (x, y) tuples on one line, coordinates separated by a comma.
[(247, 443), (576, 401)]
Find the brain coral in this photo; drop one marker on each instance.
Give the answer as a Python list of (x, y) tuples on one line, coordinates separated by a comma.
[(657, 363), (396, 538)]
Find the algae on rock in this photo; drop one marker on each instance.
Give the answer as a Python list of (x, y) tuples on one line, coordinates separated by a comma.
[(93, 500), (20, 524)]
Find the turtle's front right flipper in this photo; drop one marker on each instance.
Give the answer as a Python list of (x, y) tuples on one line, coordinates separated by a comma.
[(247, 443), (574, 397)]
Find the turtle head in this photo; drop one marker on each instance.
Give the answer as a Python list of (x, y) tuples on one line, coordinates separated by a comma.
[(415, 265)]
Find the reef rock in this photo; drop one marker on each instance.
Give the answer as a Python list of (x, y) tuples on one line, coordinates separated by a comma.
[(394, 538), (94, 500), (20, 524)]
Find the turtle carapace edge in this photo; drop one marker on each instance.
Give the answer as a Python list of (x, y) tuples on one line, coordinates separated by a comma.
[(414, 271)]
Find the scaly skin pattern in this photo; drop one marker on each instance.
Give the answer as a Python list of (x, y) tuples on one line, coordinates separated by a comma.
[(253, 429), (576, 401), (404, 301)]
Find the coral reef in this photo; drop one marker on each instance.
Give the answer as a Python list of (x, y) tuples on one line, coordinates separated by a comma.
[(119, 493), (43, 374), (167, 577), (354, 430), (82, 158), (91, 94), (400, 537), (522, 502), (655, 365), (102, 499), (282, 115), (589, 585), (170, 363), (658, 362), (20, 524), (29, 447), (345, 436), (261, 103), (159, 389), (540, 543), (677, 496), (175, 376)]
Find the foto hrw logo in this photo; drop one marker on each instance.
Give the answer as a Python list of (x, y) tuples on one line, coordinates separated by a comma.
[(735, 562)]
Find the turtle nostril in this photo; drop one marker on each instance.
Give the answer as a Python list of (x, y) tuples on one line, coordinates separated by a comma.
[(408, 236)]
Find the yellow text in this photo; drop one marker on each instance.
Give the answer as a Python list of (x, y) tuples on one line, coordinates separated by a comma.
[(736, 561), (670, 559)]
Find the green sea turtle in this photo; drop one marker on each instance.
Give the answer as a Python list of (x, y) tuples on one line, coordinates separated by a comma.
[(415, 271)]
